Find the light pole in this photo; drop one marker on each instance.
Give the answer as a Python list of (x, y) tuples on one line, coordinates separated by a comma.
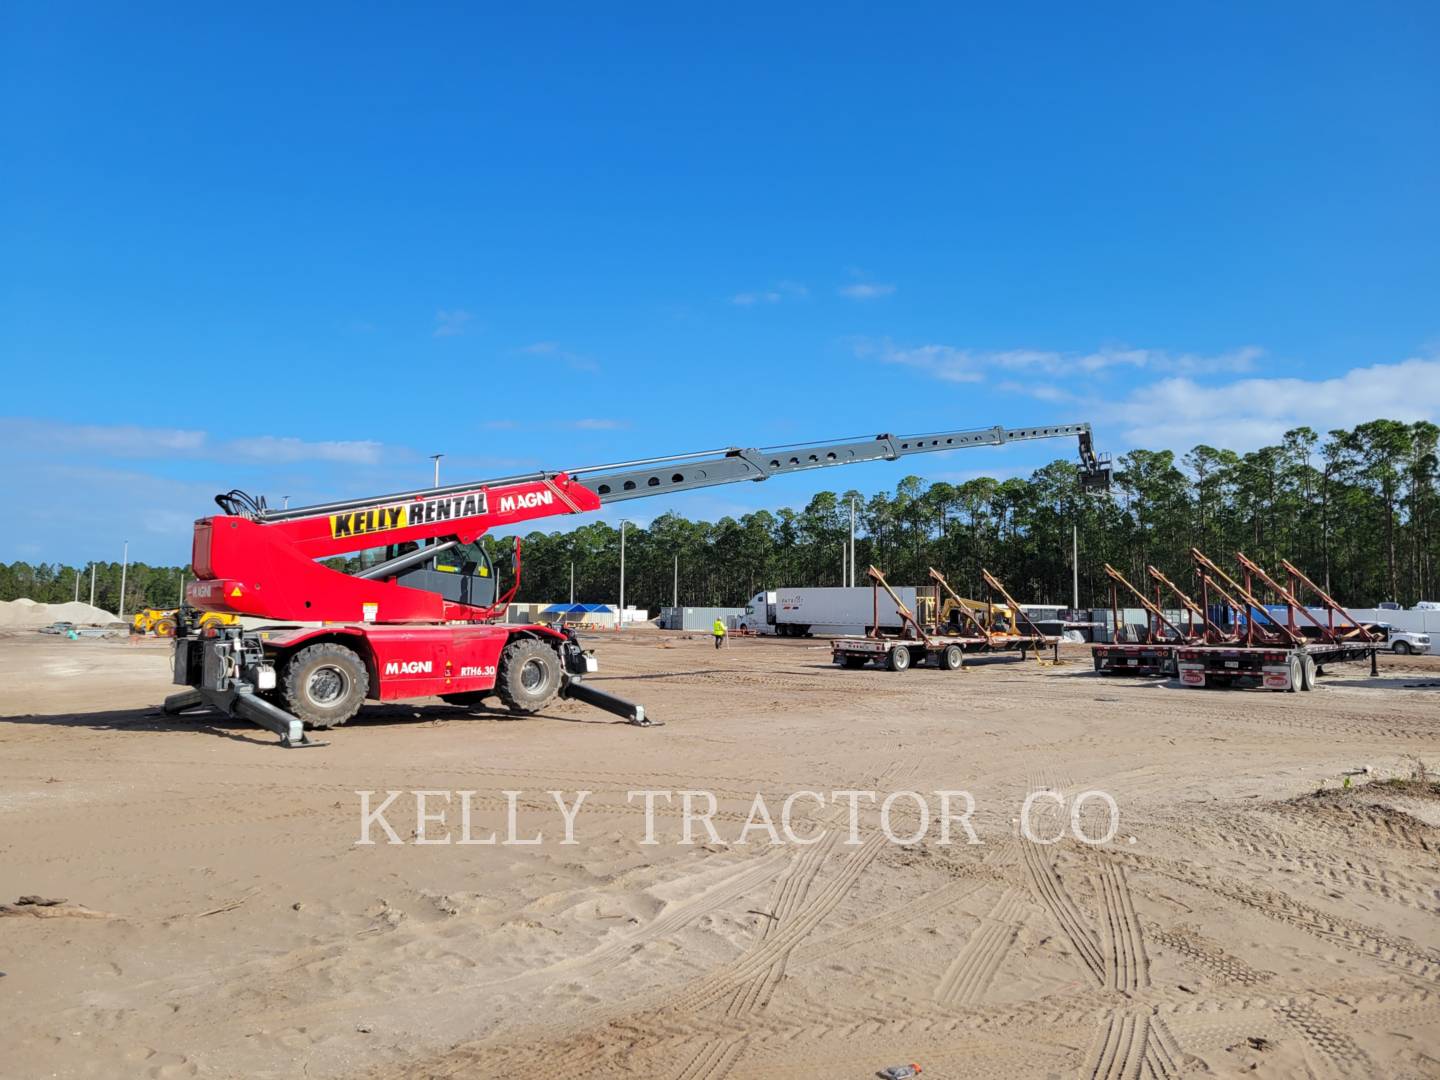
[(1075, 568), (675, 589), (572, 581), (77, 586), (620, 619), (852, 540), (436, 458), (124, 566), (92, 584), (285, 502)]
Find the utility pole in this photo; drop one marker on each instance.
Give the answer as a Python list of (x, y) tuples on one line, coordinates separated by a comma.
[(620, 618), (1075, 568), (182, 588), (844, 553), (77, 586), (572, 581), (675, 589), (852, 540), (124, 566), (92, 584), (436, 458)]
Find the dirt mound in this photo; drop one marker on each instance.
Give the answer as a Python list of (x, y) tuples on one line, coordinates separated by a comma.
[(26, 612)]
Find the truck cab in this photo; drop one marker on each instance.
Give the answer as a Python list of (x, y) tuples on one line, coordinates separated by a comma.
[(760, 613)]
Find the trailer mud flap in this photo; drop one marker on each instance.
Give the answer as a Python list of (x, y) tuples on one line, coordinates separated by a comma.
[(1276, 678), (1192, 675)]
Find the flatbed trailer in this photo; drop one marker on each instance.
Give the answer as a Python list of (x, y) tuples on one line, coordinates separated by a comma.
[(1266, 667), (937, 650), (1273, 654), (1135, 658), (915, 645), (1155, 656)]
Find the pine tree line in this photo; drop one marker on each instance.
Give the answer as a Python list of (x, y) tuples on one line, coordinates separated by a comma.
[(1358, 510)]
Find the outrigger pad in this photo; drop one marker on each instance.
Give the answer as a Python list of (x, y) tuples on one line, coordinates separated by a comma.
[(579, 690)]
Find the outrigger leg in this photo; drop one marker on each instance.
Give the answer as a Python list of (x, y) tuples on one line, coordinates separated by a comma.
[(243, 702), (579, 690)]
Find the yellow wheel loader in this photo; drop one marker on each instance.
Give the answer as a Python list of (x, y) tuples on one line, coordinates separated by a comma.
[(162, 621)]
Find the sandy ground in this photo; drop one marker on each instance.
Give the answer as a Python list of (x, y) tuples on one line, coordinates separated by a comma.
[(230, 925)]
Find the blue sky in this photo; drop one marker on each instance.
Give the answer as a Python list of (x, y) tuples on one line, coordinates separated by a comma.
[(296, 249)]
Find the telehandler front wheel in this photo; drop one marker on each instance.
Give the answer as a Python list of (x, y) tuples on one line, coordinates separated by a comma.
[(325, 684), (528, 675)]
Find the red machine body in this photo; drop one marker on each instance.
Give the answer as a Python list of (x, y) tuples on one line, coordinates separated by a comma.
[(416, 623), (269, 569), (407, 662)]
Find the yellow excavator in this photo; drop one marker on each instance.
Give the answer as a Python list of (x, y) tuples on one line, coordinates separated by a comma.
[(162, 621)]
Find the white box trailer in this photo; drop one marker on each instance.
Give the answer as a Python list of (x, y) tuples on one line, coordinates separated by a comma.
[(822, 612)]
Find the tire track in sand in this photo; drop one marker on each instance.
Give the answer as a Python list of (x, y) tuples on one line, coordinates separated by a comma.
[(751, 981), (1329, 1041), (1127, 968), (1049, 890), (1132, 1043), (972, 971)]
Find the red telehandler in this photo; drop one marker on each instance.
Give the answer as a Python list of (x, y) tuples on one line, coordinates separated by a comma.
[(416, 620)]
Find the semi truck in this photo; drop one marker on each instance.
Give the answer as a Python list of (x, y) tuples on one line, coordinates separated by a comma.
[(822, 612)]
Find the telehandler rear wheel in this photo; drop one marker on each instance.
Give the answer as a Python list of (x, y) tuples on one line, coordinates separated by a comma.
[(325, 684), (165, 627)]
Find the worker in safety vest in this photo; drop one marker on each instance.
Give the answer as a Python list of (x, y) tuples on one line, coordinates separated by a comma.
[(719, 632)]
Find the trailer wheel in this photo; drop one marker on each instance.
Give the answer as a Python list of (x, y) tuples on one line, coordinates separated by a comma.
[(953, 658), (325, 684), (528, 675), (1295, 673), (1308, 670), (898, 658)]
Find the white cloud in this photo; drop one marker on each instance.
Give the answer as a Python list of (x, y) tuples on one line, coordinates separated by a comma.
[(451, 323), (573, 360), (595, 424), (53, 438), (120, 440), (783, 290), (865, 290), (1243, 415), (974, 365), (275, 449)]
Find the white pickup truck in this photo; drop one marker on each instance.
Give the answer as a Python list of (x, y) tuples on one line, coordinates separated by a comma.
[(1406, 642)]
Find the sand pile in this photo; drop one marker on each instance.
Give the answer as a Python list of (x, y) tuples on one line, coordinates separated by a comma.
[(26, 612)]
